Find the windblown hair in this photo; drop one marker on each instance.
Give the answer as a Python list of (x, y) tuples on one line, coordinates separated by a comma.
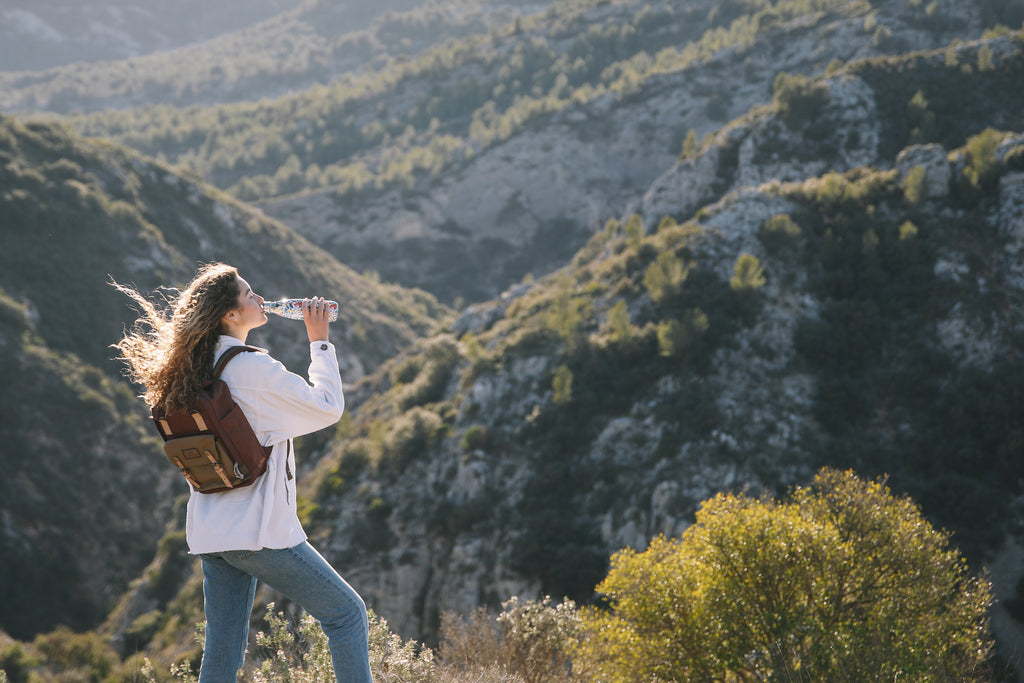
[(170, 352)]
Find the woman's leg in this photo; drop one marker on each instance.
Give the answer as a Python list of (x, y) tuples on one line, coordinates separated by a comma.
[(228, 594), (305, 577)]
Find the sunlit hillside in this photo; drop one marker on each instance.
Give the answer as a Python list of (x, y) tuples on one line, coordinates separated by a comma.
[(600, 262), (463, 167), (41, 35)]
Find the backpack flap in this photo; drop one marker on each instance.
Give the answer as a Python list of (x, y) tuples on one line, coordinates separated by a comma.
[(205, 464)]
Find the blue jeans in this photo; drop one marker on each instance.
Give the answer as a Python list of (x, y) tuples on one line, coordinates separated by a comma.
[(302, 575)]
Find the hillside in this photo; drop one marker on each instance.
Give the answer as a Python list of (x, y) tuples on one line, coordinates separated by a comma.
[(500, 154), (82, 457), (863, 319), (709, 247), (310, 44), (35, 35)]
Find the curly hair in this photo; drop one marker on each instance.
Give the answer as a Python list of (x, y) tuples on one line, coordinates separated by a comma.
[(170, 352)]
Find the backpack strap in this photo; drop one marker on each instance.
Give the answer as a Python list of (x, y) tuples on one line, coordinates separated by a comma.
[(228, 355)]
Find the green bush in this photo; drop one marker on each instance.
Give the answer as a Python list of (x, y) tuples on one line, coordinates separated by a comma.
[(679, 338), (142, 629), (561, 383), (476, 438), (664, 279), (408, 437), (16, 663), (982, 168), (423, 378), (842, 582), (530, 640), (914, 184), (619, 327), (778, 232), (747, 274), (87, 654)]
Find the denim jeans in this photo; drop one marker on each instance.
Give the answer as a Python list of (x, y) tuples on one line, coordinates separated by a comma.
[(302, 575)]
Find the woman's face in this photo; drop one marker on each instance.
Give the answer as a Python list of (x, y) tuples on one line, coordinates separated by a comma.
[(249, 314)]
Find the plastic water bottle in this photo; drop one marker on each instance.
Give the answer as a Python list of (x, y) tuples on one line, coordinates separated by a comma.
[(292, 309)]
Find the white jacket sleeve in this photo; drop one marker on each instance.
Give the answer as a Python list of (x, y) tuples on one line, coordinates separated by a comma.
[(280, 404)]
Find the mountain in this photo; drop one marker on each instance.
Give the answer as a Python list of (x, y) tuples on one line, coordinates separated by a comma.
[(864, 318), (86, 497), (262, 56), (501, 153), (41, 35), (825, 272)]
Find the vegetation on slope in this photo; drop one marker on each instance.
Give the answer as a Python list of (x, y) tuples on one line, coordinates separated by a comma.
[(82, 461), (639, 318), (416, 117), (76, 212), (45, 35), (890, 396), (843, 581), (70, 435), (290, 51)]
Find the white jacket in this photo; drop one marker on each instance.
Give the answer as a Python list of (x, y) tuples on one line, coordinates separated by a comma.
[(280, 405)]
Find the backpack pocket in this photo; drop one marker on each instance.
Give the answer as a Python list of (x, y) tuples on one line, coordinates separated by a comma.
[(205, 463)]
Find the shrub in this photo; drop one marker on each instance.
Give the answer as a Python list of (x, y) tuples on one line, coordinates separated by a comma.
[(634, 231), (295, 658), (678, 338), (779, 231), (476, 438), (567, 312), (908, 231), (301, 655), (407, 370), (843, 582), (532, 640), (914, 184), (985, 60), (408, 436), (142, 629), (16, 663), (423, 379), (355, 455), (87, 654), (691, 146), (665, 277), (982, 165), (747, 274), (920, 121), (540, 636), (620, 328), (562, 385)]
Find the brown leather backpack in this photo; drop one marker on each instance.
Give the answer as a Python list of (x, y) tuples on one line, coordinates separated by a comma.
[(212, 443)]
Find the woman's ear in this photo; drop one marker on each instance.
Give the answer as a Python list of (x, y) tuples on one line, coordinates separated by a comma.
[(228, 320)]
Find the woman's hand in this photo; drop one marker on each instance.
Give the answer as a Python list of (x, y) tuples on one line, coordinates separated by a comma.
[(314, 313)]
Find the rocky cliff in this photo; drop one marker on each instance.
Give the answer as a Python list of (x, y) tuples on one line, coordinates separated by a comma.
[(862, 319), (527, 203)]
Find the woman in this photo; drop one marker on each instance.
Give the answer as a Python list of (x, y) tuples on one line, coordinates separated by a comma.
[(251, 533)]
